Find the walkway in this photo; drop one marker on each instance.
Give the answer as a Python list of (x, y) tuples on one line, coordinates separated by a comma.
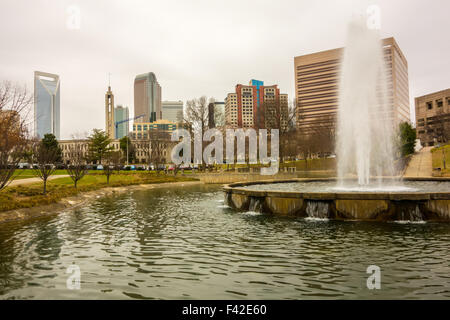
[(34, 180), (420, 164)]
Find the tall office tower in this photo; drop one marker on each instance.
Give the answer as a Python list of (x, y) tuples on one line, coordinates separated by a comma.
[(317, 86), (147, 98), (244, 108), (109, 113), (46, 104), (433, 117), (172, 111), (123, 128)]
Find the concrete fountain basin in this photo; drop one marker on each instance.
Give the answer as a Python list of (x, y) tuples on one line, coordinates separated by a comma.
[(425, 200)]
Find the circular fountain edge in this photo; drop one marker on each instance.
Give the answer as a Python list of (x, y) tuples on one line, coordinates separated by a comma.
[(378, 206)]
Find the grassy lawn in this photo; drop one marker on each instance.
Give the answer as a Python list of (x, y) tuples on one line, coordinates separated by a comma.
[(301, 165), (26, 196), (438, 155), (29, 173)]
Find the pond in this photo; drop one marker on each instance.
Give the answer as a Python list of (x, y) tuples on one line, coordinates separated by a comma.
[(184, 243)]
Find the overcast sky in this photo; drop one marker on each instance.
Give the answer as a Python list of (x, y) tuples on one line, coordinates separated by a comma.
[(200, 48)]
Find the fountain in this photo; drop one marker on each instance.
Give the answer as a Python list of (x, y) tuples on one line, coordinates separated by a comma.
[(366, 187), (365, 125)]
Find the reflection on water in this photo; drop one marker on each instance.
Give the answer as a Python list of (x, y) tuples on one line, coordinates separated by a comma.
[(185, 244)]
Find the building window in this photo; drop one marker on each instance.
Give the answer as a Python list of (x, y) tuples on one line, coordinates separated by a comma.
[(439, 103), (429, 105)]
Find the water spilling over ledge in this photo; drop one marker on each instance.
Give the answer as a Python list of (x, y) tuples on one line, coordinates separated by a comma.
[(413, 200)]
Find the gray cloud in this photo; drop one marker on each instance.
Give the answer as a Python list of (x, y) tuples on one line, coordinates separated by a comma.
[(199, 47)]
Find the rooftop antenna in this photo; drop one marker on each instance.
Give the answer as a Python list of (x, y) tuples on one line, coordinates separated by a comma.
[(109, 79)]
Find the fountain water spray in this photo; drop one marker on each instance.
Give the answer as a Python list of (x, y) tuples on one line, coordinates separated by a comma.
[(365, 118)]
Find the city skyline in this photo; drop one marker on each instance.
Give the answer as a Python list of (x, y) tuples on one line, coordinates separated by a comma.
[(204, 66)]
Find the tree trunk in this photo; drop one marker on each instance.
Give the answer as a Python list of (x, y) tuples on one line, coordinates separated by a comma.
[(45, 185), (76, 183)]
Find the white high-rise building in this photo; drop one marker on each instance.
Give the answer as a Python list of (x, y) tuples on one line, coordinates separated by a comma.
[(46, 104), (172, 111)]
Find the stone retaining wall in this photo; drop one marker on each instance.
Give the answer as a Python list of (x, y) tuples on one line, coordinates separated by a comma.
[(230, 177)]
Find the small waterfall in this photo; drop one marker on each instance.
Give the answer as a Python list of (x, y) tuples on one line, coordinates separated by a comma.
[(410, 213), (227, 201), (255, 205), (317, 209)]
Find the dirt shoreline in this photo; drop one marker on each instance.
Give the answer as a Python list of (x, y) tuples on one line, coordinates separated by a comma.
[(82, 198)]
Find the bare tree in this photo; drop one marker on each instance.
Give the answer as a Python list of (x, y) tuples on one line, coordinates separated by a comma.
[(76, 168), (111, 161), (155, 147), (439, 126), (45, 159), (15, 102), (317, 140), (196, 118), (277, 113)]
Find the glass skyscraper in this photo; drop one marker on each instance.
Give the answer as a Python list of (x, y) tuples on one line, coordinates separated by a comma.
[(46, 104), (120, 114)]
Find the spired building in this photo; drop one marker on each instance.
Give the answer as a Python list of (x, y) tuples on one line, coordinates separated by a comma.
[(121, 114), (172, 111), (147, 98), (433, 117), (317, 81), (243, 108), (46, 104), (109, 113)]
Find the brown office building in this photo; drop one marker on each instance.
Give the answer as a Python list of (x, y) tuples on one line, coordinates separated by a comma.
[(317, 81), (433, 117), (147, 98), (255, 106)]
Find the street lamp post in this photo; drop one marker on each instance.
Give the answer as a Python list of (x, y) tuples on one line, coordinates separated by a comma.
[(127, 149)]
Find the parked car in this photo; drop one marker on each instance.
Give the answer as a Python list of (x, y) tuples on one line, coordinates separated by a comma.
[(23, 166), (99, 167), (61, 166)]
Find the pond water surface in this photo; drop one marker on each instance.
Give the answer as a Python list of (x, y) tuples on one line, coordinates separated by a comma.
[(184, 243)]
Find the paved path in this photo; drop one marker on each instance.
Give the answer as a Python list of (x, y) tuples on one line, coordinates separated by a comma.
[(34, 180), (420, 164)]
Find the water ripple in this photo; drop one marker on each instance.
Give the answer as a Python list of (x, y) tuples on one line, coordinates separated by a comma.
[(185, 244)]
